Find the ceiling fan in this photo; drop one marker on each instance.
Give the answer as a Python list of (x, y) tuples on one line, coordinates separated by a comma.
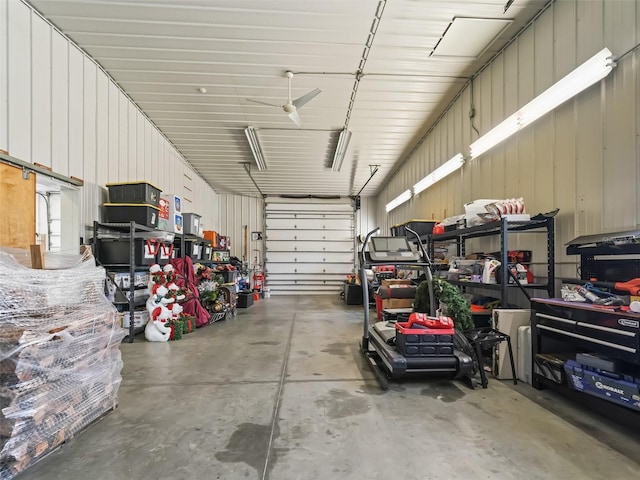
[(291, 107)]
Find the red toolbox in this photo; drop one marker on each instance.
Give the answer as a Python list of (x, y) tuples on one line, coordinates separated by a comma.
[(424, 336)]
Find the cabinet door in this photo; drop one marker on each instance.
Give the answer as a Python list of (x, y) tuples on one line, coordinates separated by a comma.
[(17, 208)]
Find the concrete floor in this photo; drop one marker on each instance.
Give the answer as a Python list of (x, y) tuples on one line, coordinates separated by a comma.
[(282, 393)]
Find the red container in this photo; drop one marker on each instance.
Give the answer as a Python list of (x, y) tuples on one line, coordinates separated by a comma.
[(165, 252), (425, 320), (423, 342), (379, 307)]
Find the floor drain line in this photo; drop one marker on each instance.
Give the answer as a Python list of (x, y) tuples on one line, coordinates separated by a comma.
[(276, 408)]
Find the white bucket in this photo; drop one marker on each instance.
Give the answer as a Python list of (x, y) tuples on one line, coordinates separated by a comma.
[(267, 293)]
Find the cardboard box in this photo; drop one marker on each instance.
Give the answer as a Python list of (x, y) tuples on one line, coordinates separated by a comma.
[(396, 281), (397, 303)]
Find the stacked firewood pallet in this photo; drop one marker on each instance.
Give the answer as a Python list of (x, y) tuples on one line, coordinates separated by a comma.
[(59, 359)]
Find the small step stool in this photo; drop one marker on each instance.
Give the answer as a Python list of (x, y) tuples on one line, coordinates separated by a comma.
[(483, 338)]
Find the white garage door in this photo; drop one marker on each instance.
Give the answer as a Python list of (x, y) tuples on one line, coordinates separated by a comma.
[(309, 246)]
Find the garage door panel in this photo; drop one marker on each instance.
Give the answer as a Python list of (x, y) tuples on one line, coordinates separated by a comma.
[(309, 235), (310, 215), (311, 278), (310, 257), (272, 267), (313, 283), (301, 290), (302, 246), (309, 223), (276, 208), (309, 246)]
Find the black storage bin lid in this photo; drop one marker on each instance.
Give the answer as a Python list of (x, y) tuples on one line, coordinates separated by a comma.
[(129, 205), (139, 182)]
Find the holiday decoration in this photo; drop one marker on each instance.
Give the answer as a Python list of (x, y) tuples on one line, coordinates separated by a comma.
[(158, 328), (188, 282), (211, 296), (165, 313)]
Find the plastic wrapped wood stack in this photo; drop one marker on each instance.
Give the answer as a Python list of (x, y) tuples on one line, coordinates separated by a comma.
[(59, 357)]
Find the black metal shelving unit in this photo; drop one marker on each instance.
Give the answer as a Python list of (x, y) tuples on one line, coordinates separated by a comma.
[(131, 228), (182, 238), (504, 229)]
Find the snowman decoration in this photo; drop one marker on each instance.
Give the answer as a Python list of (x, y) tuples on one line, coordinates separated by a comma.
[(158, 328)]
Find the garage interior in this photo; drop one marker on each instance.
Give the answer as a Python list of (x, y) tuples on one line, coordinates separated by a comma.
[(289, 130)]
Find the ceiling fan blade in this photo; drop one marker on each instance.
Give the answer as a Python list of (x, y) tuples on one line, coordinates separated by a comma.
[(263, 103), (299, 102), (296, 118)]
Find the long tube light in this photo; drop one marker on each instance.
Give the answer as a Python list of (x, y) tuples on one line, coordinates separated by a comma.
[(256, 149), (399, 200), (439, 173), (590, 72), (341, 150)]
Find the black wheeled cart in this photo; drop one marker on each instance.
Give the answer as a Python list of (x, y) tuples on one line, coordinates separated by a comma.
[(378, 341)]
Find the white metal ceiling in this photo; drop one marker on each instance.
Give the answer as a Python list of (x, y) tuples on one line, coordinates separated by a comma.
[(162, 51)]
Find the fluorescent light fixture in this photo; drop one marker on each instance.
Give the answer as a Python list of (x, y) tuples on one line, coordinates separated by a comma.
[(341, 150), (439, 173), (399, 200), (256, 149), (493, 137), (590, 72)]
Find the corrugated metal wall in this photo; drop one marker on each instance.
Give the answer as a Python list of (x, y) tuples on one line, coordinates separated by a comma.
[(58, 108), (582, 158), (365, 217), (235, 212)]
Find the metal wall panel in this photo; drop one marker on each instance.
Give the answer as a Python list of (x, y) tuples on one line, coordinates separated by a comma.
[(582, 158), (58, 108), (102, 130), (148, 150), (59, 102), (91, 208), (76, 99), (40, 91), (236, 212), (123, 138), (620, 125), (19, 83), (565, 163), (4, 66), (151, 167), (132, 146), (544, 129), (141, 144), (498, 164), (113, 133), (366, 216)]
